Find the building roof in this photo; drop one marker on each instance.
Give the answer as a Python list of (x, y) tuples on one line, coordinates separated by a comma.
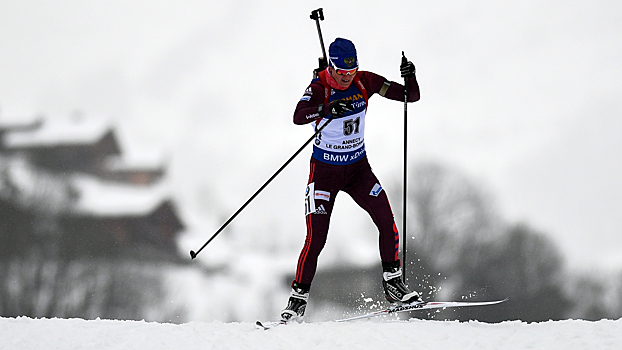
[(108, 199), (20, 124), (55, 132)]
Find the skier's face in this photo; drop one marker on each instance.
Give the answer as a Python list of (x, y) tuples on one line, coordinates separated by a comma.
[(342, 80)]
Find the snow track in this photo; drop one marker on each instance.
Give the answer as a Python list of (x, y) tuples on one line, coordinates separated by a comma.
[(50, 334)]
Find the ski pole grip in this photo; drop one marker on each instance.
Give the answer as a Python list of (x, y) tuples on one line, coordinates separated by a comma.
[(404, 62)]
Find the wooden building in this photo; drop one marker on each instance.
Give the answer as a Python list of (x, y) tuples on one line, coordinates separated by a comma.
[(115, 209)]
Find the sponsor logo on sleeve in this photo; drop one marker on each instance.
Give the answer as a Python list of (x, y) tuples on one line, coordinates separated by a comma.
[(307, 95)]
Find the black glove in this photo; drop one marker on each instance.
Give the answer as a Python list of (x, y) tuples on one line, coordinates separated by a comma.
[(340, 107), (407, 68)]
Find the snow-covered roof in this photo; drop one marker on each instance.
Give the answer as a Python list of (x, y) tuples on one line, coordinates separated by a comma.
[(133, 159), (77, 130), (20, 123), (103, 198)]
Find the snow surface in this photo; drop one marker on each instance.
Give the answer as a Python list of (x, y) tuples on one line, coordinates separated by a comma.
[(50, 334)]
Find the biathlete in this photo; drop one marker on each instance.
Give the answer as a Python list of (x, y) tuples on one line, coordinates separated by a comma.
[(339, 163)]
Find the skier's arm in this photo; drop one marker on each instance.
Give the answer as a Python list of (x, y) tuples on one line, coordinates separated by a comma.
[(390, 89), (308, 108)]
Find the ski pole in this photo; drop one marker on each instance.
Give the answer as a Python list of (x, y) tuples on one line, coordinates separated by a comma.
[(194, 254), (318, 15), (405, 61)]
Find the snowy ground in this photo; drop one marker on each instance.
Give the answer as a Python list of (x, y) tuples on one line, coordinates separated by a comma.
[(50, 334)]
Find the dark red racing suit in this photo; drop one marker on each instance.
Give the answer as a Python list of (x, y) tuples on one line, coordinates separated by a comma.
[(339, 163)]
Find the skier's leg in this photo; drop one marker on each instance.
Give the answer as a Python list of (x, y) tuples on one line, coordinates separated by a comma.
[(367, 192), (324, 185), (317, 231), (322, 189)]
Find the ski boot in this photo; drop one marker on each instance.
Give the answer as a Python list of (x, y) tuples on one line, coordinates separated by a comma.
[(394, 288), (297, 303)]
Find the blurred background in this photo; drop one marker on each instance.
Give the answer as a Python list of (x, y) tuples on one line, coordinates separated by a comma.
[(131, 130)]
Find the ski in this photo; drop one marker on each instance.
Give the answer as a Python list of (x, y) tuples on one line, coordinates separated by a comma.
[(425, 305), (269, 325)]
